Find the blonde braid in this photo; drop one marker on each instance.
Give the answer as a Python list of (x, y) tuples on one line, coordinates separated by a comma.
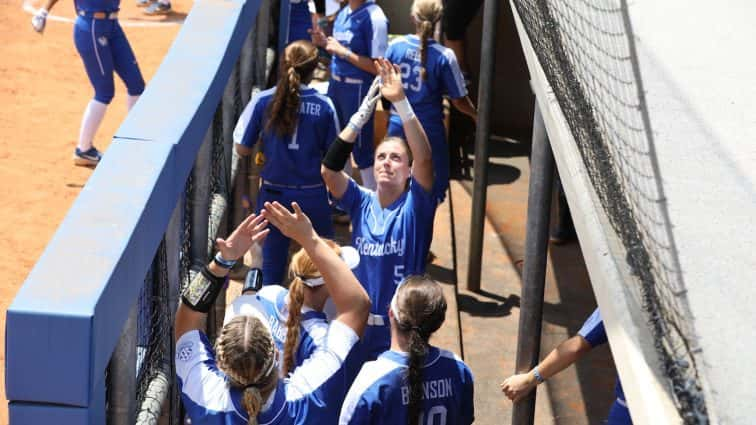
[(296, 299)]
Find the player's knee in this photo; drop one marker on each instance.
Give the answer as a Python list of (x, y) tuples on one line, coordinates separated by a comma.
[(104, 96), (135, 88)]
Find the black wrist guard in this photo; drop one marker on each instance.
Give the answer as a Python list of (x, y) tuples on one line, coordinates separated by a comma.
[(202, 291), (337, 154), (253, 281)]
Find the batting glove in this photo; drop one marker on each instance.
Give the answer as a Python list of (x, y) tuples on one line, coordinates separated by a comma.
[(39, 19), (363, 114)]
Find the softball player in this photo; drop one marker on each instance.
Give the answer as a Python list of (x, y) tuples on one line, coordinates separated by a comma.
[(103, 48), (590, 335), (360, 34), (391, 227), (295, 316), (414, 382), (237, 382), (300, 20), (429, 70), (296, 125)]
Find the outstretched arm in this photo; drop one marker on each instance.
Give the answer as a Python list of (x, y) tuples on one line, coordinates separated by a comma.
[(202, 291), (391, 89), (351, 300), (565, 354), (335, 179)]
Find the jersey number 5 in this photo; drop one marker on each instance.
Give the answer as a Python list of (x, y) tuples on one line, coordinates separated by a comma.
[(413, 72)]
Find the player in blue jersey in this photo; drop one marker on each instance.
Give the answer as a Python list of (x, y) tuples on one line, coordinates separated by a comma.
[(414, 382), (590, 335), (103, 48), (296, 316), (360, 34), (391, 227), (301, 20), (295, 125), (237, 381), (429, 70)]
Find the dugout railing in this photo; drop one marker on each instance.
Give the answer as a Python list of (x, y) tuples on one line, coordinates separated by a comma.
[(89, 335)]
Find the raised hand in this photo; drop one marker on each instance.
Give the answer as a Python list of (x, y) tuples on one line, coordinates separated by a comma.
[(391, 80), (39, 19), (251, 231), (296, 226), (363, 114), (335, 48)]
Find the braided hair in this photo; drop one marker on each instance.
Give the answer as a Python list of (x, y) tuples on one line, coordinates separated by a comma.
[(297, 65), (245, 352), (301, 268), (419, 309), (426, 13)]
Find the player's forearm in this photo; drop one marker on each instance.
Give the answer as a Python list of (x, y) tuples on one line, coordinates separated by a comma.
[(464, 105), (422, 159), (49, 5), (188, 318), (362, 62), (563, 356)]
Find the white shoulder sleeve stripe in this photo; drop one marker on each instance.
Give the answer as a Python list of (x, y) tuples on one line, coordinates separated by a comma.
[(370, 373), (454, 66), (246, 116), (380, 32)]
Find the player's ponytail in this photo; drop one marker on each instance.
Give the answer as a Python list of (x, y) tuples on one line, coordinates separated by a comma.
[(245, 353), (297, 65), (419, 309), (427, 13), (301, 268)]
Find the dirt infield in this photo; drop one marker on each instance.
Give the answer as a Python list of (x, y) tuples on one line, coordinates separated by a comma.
[(43, 92)]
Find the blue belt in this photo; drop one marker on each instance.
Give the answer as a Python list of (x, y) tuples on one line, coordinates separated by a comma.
[(292, 186)]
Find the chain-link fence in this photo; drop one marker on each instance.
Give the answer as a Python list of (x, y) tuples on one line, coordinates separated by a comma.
[(210, 208), (586, 51)]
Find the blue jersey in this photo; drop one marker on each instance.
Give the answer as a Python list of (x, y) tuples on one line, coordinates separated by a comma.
[(97, 5), (364, 31), (443, 76), (299, 20), (314, 392), (380, 393), (271, 301), (393, 242), (292, 160), (594, 332)]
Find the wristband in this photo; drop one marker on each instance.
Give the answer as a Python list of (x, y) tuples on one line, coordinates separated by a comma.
[(222, 262), (404, 110), (253, 281), (539, 379), (337, 154), (202, 291)]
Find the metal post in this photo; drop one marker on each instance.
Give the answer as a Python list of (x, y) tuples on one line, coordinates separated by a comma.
[(534, 271), (485, 104), (122, 370)]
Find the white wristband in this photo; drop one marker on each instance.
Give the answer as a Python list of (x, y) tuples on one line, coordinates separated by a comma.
[(404, 110)]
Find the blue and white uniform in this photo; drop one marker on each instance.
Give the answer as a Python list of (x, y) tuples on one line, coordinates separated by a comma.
[(272, 303), (593, 331), (103, 48), (393, 243), (300, 20), (314, 392), (364, 31), (443, 76), (292, 167), (380, 393)]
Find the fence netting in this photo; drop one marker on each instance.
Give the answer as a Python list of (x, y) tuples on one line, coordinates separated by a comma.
[(586, 51), (207, 210)]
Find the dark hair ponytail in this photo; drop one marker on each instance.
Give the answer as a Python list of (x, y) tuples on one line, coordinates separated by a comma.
[(419, 310), (298, 63)]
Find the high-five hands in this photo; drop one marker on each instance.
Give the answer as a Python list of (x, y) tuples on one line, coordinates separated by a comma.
[(363, 114), (251, 231), (295, 226), (391, 80)]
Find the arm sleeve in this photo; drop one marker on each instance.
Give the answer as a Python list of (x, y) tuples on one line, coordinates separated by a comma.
[(203, 388), (247, 128), (468, 404), (593, 330), (355, 410), (425, 205), (332, 126), (379, 37), (454, 82)]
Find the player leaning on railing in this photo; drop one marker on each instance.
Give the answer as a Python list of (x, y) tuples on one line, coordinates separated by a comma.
[(237, 382)]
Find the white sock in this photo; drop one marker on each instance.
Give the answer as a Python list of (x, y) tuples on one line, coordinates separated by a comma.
[(130, 101), (90, 122), (368, 179)]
